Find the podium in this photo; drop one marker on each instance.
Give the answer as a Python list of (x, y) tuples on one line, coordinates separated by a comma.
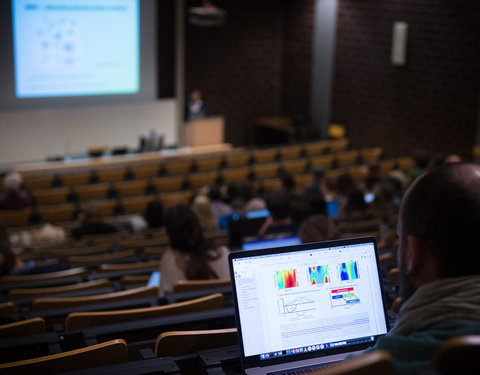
[(205, 132)]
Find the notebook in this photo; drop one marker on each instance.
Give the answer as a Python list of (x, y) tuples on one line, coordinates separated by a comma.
[(307, 305)]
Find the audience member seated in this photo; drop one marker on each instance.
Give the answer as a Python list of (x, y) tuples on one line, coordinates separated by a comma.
[(317, 228), (14, 198), (218, 206), (287, 183), (201, 207), (438, 230), (355, 203), (387, 197), (152, 218), (344, 186), (190, 256), (91, 222), (278, 203), (12, 264), (316, 181), (421, 160)]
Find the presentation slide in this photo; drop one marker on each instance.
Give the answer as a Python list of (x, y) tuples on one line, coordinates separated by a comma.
[(76, 47)]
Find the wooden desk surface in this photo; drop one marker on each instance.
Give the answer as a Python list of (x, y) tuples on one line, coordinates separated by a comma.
[(45, 168), (279, 123)]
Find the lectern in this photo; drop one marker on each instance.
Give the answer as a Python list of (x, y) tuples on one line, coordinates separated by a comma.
[(205, 132)]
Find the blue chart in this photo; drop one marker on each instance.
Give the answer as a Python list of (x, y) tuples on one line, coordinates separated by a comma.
[(344, 297), (297, 306), (348, 271)]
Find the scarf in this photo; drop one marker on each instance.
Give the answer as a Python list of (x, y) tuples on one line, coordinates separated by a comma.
[(453, 299)]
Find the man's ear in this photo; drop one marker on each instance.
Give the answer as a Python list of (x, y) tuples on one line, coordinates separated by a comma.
[(418, 260)]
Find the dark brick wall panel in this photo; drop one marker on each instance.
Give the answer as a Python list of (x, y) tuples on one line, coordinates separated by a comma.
[(432, 102), (238, 65), (257, 64), (297, 57)]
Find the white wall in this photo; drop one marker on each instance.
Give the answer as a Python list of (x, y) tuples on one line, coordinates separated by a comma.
[(32, 135)]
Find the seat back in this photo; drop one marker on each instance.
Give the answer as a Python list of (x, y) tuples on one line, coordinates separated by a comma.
[(52, 195), (378, 362), (131, 188), (171, 183), (95, 191), (16, 217), (7, 308), (22, 328), (457, 355), (42, 304), (104, 354), (57, 212), (37, 182), (185, 342), (191, 285), (82, 320), (19, 293), (86, 260), (198, 180), (72, 272)]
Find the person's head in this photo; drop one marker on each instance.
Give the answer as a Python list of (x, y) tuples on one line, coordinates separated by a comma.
[(355, 201), (278, 203), (184, 229), (438, 226), (90, 213), (195, 96), (154, 214), (317, 228), (288, 182), (318, 173), (453, 158), (7, 259), (300, 209), (345, 184), (12, 182), (201, 207), (215, 193), (421, 158)]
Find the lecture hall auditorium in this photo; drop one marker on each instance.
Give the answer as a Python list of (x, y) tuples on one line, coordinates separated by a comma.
[(118, 212)]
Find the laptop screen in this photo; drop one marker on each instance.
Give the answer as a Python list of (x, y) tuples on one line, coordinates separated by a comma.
[(310, 297), (275, 240)]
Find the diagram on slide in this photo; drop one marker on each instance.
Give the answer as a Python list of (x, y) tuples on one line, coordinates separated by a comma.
[(287, 279), (297, 306), (318, 275), (343, 297), (348, 271), (57, 42)]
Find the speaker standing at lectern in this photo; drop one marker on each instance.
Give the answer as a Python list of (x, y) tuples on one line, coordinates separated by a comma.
[(196, 109)]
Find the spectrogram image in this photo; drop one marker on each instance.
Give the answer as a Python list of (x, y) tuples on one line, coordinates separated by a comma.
[(287, 279), (318, 275), (348, 271)]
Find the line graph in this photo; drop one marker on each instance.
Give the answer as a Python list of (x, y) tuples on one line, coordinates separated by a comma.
[(298, 306)]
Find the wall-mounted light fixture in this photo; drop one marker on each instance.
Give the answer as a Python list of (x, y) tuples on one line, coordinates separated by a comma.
[(399, 43)]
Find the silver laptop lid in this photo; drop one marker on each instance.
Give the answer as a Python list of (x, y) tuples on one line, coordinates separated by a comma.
[(308, 300)]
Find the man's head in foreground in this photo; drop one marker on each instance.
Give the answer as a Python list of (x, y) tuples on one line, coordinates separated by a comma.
[(439, 226)]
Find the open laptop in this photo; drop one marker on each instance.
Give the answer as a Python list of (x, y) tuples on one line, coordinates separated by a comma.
[(307, 305), (270, 240)]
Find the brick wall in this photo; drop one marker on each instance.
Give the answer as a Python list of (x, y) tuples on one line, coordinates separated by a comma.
[(257, 64), (297, 57), (238, 66), (432, 102)]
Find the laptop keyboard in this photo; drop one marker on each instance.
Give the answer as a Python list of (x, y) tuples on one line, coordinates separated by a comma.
[(305, 370)]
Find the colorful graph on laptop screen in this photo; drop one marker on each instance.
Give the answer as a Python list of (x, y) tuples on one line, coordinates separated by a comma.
[(318, 275), (287, 279), (348, 271)]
